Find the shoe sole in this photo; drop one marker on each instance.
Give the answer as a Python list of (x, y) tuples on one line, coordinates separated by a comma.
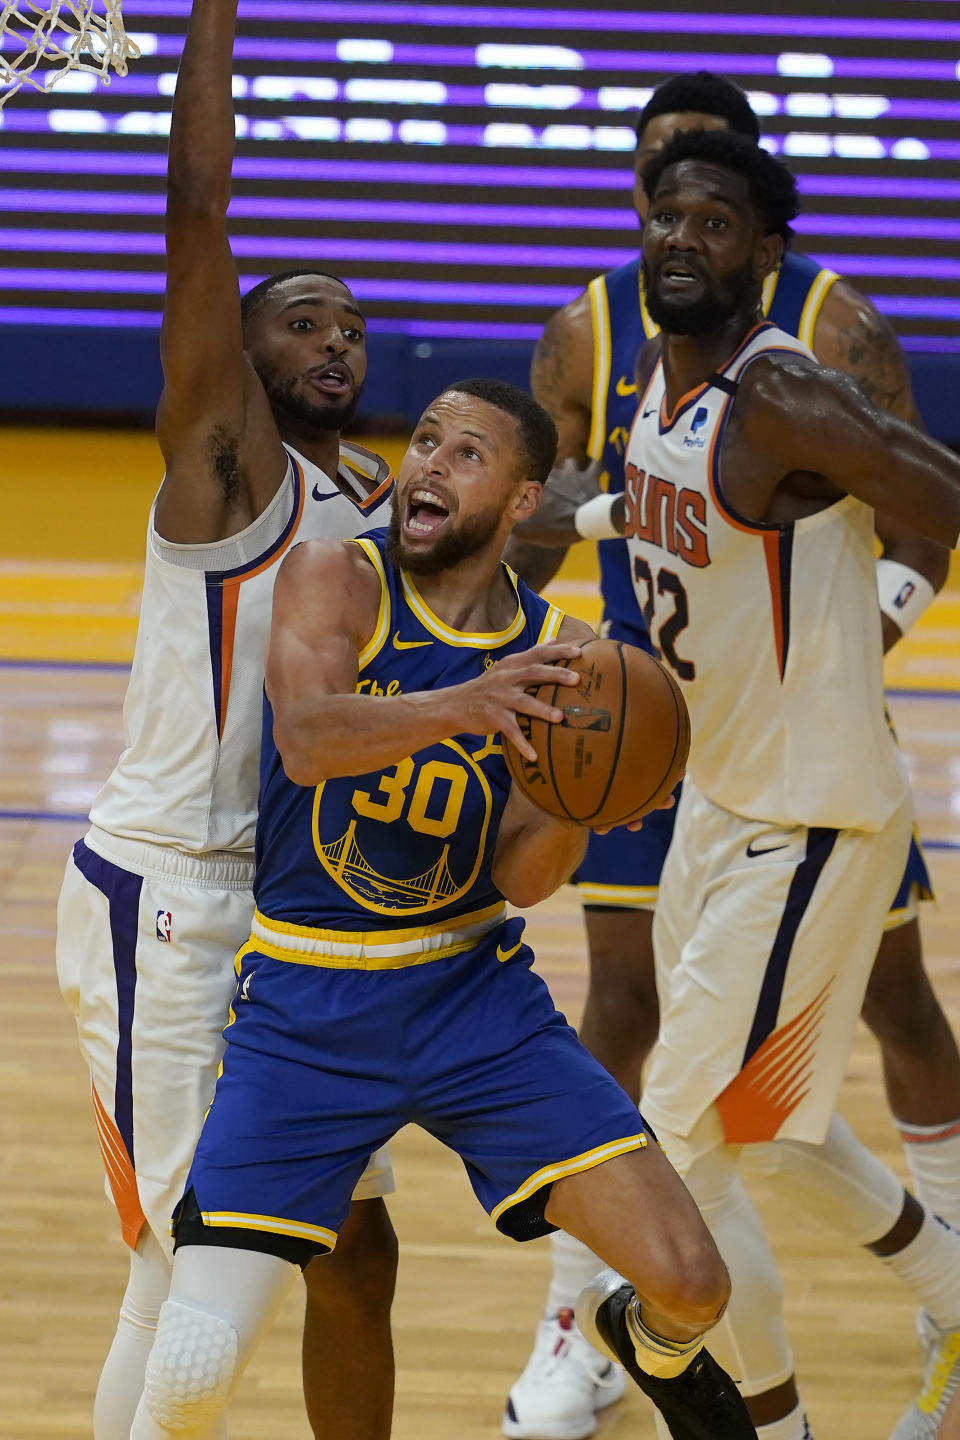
[(516, 1431), (589, 1301)]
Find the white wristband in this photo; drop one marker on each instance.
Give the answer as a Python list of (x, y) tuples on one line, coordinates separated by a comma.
[(903, 593), (593, 520)]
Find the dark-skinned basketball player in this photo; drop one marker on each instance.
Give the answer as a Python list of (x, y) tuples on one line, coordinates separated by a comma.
[(752, 475), (157, 895), (582, 373), (384, 982)]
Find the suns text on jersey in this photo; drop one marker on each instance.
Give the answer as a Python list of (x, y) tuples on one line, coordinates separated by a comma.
[(674, 520)]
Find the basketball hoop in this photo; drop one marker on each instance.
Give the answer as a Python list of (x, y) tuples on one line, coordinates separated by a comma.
[(39, 45)]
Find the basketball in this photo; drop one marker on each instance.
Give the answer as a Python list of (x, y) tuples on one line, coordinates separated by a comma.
[(621, 746)]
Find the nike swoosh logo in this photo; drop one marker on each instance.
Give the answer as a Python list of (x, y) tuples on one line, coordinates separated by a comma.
[(651, 411), (768, 850), (624, 387), (318, 494), (506, 954), (399, 644)]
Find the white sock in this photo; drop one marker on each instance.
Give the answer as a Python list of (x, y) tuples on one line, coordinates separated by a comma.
[(933, 1154), (794, 1426), (930, 1265), (574, 1266)]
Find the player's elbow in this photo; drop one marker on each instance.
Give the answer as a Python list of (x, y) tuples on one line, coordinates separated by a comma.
[(301, 754)]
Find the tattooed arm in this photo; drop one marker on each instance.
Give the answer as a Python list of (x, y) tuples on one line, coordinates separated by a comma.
[(851, 335), (561, 378)]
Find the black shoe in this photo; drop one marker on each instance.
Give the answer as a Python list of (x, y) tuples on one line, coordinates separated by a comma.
[(700, 1404)]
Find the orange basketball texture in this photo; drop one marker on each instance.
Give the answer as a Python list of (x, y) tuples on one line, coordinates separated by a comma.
[(621, 746)]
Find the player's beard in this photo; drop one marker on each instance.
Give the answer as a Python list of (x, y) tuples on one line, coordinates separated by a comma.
[(287, 402), (710, 312), (454, 544)]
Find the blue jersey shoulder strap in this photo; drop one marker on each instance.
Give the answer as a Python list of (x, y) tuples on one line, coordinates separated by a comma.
[(793, 296)]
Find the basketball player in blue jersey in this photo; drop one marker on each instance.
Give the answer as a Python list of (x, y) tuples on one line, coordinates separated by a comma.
[(752, 478), (583, 374), (384, 983), (157, 895)]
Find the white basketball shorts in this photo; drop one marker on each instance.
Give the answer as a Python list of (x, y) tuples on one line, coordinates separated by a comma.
[(146, 939), (764, 940)]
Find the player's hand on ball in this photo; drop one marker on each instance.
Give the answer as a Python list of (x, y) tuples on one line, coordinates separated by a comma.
[(567, 488), (495, 698), (667, 804)]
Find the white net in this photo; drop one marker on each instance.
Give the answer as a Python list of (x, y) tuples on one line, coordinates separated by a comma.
[(39, 44)]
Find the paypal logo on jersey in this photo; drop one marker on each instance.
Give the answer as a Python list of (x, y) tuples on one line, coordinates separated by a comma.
[(693, 441)]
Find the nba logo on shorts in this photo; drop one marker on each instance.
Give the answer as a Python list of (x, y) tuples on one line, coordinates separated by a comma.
[(164, 925)]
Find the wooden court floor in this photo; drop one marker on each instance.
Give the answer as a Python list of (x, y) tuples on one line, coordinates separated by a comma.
[(468, 1299)]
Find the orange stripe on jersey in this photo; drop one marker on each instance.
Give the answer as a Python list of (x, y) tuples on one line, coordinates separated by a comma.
[(228, 631), (375, 495), (120, 1174), (775, 1079), (771, 553)]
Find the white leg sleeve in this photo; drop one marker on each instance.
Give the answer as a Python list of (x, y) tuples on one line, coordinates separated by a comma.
[(221, 1302), (839, 1183), (121, 1380), (750, 1342)]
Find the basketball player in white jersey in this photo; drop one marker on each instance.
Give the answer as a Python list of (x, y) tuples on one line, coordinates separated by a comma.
[(582, 374), (751, 479), (156, 898)]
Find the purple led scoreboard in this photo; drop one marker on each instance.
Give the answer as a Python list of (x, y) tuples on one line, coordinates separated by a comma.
[(467, 167)]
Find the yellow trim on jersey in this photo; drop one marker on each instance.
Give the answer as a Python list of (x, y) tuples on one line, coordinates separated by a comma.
[(600, 325), (579, 1163), (373, 949), (272, 1224), (378, 639), (552, 621), (473, 638), (631, 897), (650, 326), (769, 290), (813, 305)]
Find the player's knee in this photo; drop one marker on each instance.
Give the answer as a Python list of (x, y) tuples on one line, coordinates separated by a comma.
[(900, 1007), (191, 1367), (622, 979), (361, 1273)]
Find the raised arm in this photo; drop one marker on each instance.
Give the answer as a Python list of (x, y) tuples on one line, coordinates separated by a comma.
[(325, 610), (851, 335), (224, 458), (799, 418)]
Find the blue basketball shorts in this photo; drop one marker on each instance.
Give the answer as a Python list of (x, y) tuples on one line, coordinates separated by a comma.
[(324, 1065)]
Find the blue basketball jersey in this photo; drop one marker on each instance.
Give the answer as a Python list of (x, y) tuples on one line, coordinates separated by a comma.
[(792, 299), (409, 846)]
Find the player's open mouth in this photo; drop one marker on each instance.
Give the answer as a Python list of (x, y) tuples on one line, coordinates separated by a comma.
[(425, 511), (332, 379), (677, 276)]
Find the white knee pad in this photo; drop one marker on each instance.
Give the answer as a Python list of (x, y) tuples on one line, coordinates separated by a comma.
[(839, 1183), (191, 1367)]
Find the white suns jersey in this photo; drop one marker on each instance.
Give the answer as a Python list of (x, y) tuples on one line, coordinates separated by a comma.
[(189, 774), (773, 630)]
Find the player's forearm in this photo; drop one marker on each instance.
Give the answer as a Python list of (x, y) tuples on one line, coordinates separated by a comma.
[(202, 129), (535, 564), (537, 858), (356, 734)]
